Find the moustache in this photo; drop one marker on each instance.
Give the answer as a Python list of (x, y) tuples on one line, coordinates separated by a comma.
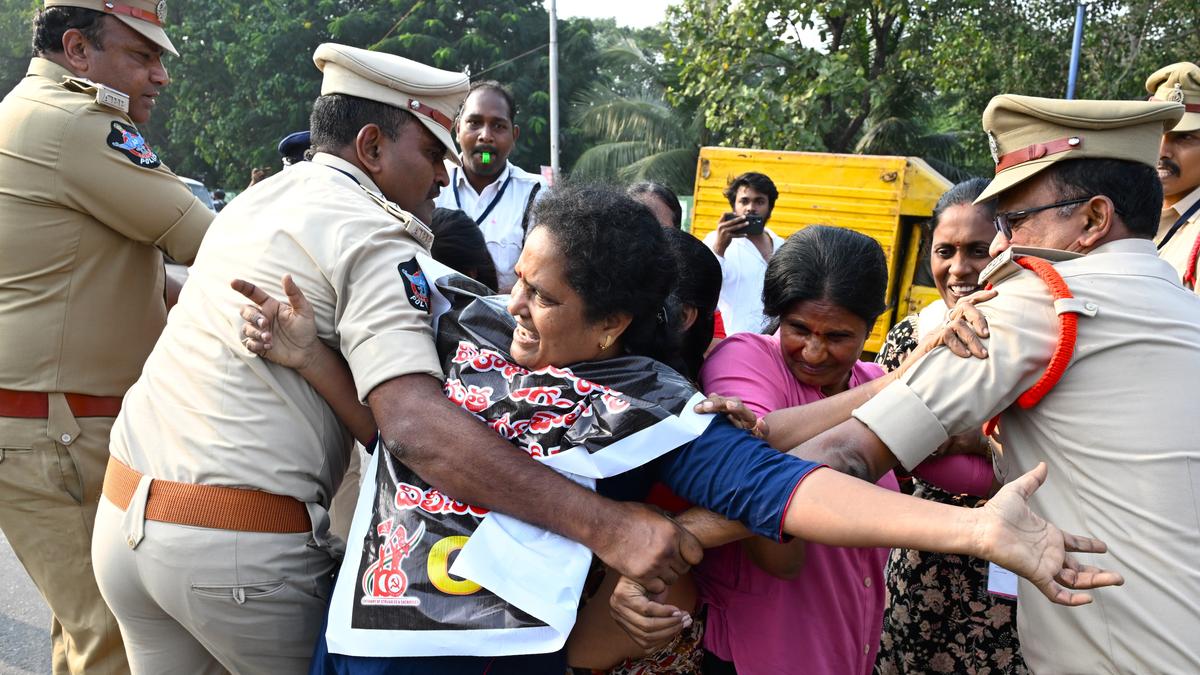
[(1168, 165), (480, 149)]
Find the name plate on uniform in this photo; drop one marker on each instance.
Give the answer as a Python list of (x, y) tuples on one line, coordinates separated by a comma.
[(1001, 581)]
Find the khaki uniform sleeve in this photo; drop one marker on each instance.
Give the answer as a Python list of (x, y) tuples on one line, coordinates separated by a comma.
[(943, 394), (145, 203), (383, 335)]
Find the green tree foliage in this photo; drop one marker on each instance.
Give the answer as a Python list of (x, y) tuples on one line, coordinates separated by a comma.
[(245, 78), (637, 134), (16, 21), (504, 40), (906, 77)]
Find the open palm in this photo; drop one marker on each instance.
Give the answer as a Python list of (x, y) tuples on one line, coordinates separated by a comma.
[(283, 333)]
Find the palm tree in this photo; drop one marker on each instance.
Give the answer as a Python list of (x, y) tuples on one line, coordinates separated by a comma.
[(640, 135), (899, 125)]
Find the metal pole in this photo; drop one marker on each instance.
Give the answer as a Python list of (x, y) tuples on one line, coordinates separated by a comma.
[(1080, 9), (554, 88)]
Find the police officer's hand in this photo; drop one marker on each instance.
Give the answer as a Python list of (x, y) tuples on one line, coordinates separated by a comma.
[(736, 411), (1012, 536), (963, 332), (644, 616), (730, 226), (284, 333), (646, 546)]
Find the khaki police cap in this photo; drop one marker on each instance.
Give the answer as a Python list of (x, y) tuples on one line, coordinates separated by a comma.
[(1178, 83), (145, 16), (1028, 134), (431, 95)]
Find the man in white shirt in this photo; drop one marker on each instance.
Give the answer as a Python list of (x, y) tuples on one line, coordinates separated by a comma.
[(744, 244), (495, 193), (1178, 236)]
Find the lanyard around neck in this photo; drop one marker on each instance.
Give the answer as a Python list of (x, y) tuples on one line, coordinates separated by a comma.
[(1179, 223), (495, 200)]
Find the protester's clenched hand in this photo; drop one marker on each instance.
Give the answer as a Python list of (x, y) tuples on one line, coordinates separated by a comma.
[(1012, 536), (737, 412), (284, 333), (646, 546), (648, 621)]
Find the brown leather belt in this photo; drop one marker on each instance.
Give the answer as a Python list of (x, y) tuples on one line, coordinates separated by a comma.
[(36, 404), (212, 506)]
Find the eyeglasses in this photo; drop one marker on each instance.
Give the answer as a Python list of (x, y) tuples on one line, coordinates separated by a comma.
[(1004, 219)]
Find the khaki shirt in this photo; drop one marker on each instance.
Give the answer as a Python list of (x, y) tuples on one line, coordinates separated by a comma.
[(81, 228), (1119, 434), (1179, 248), (206, 410)]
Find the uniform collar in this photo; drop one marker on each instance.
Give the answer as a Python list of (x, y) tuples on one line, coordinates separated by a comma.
[(1184, 204), (48, 69), (463, 182), (335, 162), (1127, 245)]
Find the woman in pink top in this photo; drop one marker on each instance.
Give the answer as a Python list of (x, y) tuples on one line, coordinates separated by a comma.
[(799, 607)]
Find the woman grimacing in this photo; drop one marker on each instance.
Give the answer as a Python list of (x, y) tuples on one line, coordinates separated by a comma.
[(571, 306), (770, 604)]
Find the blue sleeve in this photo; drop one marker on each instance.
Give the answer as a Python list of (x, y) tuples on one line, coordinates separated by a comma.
[(730, 472)]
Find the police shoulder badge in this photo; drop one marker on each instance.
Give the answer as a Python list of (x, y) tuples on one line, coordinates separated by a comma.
[(416, 286), (128, 141)]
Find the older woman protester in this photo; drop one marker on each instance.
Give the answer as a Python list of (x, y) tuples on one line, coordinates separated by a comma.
[(588, 307), (597, 643), (940, 614)]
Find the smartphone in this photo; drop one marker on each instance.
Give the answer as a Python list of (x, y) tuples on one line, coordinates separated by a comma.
[(754, 225)]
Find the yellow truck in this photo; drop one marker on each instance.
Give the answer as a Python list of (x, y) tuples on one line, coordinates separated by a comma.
[(888, 198)]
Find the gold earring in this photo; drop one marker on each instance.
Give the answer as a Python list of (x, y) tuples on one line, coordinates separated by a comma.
[(608, 339)]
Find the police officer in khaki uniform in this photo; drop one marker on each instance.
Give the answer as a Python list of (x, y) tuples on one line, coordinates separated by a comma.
[(211, 541), (1179, 168), (86, 210), (1076, 180)]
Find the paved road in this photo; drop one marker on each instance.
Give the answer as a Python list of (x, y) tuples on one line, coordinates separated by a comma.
[(24, 620)]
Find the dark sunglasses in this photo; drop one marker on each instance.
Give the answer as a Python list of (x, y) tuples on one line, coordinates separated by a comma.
[(1004, 220)]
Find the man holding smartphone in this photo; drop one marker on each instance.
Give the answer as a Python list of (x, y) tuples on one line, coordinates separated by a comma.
[(743, 244)]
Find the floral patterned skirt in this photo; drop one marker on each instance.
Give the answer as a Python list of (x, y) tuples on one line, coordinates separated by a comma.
[(939, 616)]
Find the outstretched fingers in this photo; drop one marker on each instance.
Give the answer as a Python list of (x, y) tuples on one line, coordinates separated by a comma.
[(253, 293), (1075, 543), (1078, 576), (1061, 596), (296, 297)]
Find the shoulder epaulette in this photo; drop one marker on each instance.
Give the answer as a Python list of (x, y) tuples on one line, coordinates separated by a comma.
[(1066, 306), (1005, 265), (105, 95), (413, 226)]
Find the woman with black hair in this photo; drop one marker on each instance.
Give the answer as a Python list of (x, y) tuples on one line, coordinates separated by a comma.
[(458, 242), (661, 200), (586, 317), (770, 603)]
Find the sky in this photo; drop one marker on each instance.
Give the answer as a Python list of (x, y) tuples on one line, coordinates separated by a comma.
[(635, 13)]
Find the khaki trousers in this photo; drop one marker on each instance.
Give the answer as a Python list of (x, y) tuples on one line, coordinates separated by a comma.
[(51, 472), (198, 600)]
